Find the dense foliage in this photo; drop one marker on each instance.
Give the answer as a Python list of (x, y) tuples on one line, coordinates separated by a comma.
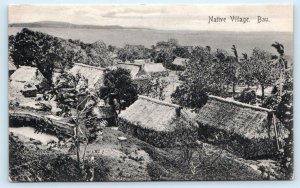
[(70, 91), (193, 92), (247, 96), (119, 82), (46, 52)]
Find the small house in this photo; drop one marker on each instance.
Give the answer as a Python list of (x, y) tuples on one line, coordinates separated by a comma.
[(139, 71), (136, 71), (26, 80), (245, 130), (155, 69), (180, 61), (157, 122), (94, 75)]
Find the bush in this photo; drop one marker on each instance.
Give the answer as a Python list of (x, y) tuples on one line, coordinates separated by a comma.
[(155, 171), (118, 85), (247, 96)]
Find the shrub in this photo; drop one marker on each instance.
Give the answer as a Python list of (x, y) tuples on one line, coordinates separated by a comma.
[(155, 171), (247, 96)]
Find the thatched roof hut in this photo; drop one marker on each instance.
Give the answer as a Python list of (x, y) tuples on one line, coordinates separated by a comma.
[(93, 74), (247, 130), (141, 71), (180, 61), (136, 71), (154, 68), (156, 122), (27, 80)]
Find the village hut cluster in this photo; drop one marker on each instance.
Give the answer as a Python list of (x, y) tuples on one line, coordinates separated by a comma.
[(245, 130)]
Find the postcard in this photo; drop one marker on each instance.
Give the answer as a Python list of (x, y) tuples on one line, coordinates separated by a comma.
[(150, 92)]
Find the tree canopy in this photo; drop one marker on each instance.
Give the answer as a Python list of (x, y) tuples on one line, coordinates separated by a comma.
[(119, 82)]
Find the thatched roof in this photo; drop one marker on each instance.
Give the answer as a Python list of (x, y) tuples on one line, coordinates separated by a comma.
[(180, 61), (142, 71), (135, 70), (25, 74), (142, 61), (154, 68), (25, 77), (93, 74), (234, 117), (11, 66), (153, 114)]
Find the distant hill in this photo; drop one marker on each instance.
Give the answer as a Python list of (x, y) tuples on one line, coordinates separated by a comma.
[(119, 36), (55, 24)]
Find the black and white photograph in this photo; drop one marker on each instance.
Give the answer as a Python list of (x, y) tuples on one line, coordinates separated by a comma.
[(150, 92)]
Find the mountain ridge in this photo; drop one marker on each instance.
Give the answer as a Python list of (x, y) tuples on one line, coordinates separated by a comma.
[(57, 24)]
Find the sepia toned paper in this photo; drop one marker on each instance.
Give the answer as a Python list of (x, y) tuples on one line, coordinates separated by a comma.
[(150, 92)]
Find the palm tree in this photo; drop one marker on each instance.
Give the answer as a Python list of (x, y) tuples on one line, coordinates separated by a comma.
[(282, 63)]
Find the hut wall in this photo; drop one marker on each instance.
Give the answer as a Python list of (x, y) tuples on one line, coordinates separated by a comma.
[(156, 138), (40, 124), (262, 148), (159, 74), (236, 144)]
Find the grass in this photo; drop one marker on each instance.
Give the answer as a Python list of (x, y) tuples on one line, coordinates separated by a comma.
[(130, 160)]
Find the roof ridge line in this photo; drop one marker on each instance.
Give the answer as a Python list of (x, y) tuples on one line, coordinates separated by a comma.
[(240, 103), (159, 101), (130, 64), (89, 66)]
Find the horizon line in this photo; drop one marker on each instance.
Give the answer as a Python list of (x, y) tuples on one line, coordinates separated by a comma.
[(148, 28)]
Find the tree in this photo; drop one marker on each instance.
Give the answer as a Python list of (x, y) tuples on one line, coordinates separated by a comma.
[(196, 80), (284, 112), (234, 68), (34, 49), (99, 54), (186, 140), (132, 52), (282, 64), (181, 51), (11, 43), (262, 69), (247, 96), (72, 93), (171, 43), (153, 88), (246, 71), (165, 57), (119, 82), (225, 70)]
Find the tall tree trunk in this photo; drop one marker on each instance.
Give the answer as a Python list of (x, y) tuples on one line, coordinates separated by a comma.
[(233, 88), (262, 93), (77, 148)]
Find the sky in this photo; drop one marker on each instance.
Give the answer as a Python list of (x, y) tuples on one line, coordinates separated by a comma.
[(163, 17)]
